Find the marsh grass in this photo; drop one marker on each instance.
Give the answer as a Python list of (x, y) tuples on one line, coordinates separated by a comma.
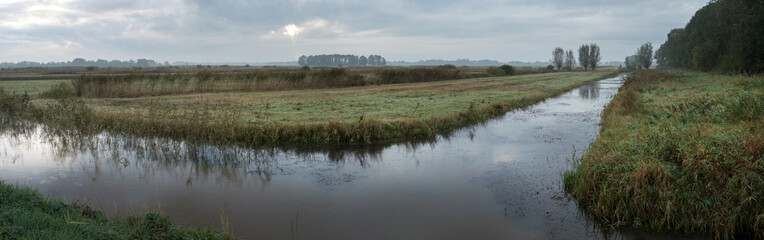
[(679, 152), (148, 84), (27, 214), (140, 84)]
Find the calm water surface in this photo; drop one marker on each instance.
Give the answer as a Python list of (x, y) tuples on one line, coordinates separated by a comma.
[(499, 180)]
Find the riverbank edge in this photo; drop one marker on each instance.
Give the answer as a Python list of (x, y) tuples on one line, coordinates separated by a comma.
[(657, 192), (73, 114), (28, 214)]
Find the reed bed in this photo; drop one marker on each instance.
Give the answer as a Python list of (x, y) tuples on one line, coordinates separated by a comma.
[(679, 152), (147, 84), (138, 84)]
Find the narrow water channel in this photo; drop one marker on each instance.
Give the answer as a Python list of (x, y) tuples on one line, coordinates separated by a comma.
[(499, 180)]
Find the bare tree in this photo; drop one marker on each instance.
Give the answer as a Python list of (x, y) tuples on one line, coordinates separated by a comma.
[(570, 60), (645, 53), (594, 56), (583, 56), (559, 56)]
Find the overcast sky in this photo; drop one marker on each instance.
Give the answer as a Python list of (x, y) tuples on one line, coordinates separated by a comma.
[(282, 30)]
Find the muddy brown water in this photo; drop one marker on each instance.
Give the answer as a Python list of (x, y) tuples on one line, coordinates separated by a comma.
[(498, 180)]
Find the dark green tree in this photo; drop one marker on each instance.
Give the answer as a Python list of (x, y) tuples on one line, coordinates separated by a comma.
[(558, 57), (583, 56), (645, 54)]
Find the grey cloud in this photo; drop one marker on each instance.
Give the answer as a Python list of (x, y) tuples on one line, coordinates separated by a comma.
[(234, 30)]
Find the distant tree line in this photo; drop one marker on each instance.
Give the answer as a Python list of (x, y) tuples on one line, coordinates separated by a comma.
[(341, 60), (725, 35), (588, 56), (81, 62)]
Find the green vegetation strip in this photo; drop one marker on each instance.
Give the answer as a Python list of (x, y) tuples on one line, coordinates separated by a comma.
[(679, 152), (27, 214)]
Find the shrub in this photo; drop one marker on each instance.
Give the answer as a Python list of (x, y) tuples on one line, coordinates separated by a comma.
[(411, 75), (509, 70), (61, 90), (501, 71), (13, 104), (495, 71)]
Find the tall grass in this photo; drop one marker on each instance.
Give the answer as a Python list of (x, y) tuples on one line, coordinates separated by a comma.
[(681, 153), (147, 84), (205, 81)]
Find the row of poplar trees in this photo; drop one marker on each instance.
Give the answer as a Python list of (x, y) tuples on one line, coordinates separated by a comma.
[(588, 57)]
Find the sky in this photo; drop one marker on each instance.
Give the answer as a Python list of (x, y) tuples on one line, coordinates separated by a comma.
[(282, 30)]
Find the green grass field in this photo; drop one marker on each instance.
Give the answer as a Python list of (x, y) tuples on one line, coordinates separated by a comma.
[(679, 152), (27, 214)]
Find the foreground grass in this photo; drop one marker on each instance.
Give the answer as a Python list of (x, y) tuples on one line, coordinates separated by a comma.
[(27, 214), (356, 115), (679, 152)]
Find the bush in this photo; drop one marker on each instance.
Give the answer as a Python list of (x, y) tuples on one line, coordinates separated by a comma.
[(550, 68), (495, 71), (501, 71), (411, 75), (13, 104), (61, 90), (509, 70)]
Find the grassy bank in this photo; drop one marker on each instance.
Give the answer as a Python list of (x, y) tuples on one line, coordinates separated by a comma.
[(27, 214), (679, 152)]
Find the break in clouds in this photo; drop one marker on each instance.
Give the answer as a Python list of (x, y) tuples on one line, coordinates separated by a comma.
[(263, 31)]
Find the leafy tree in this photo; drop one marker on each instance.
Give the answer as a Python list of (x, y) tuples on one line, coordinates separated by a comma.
[(570, 60), (724, 35), (632, 62), (583, 56), (594, 56), (645, 55), (509, 70), (558, 57)]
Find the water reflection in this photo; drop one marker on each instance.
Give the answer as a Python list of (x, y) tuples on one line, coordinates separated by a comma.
[(112, 153), (590, 91)]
